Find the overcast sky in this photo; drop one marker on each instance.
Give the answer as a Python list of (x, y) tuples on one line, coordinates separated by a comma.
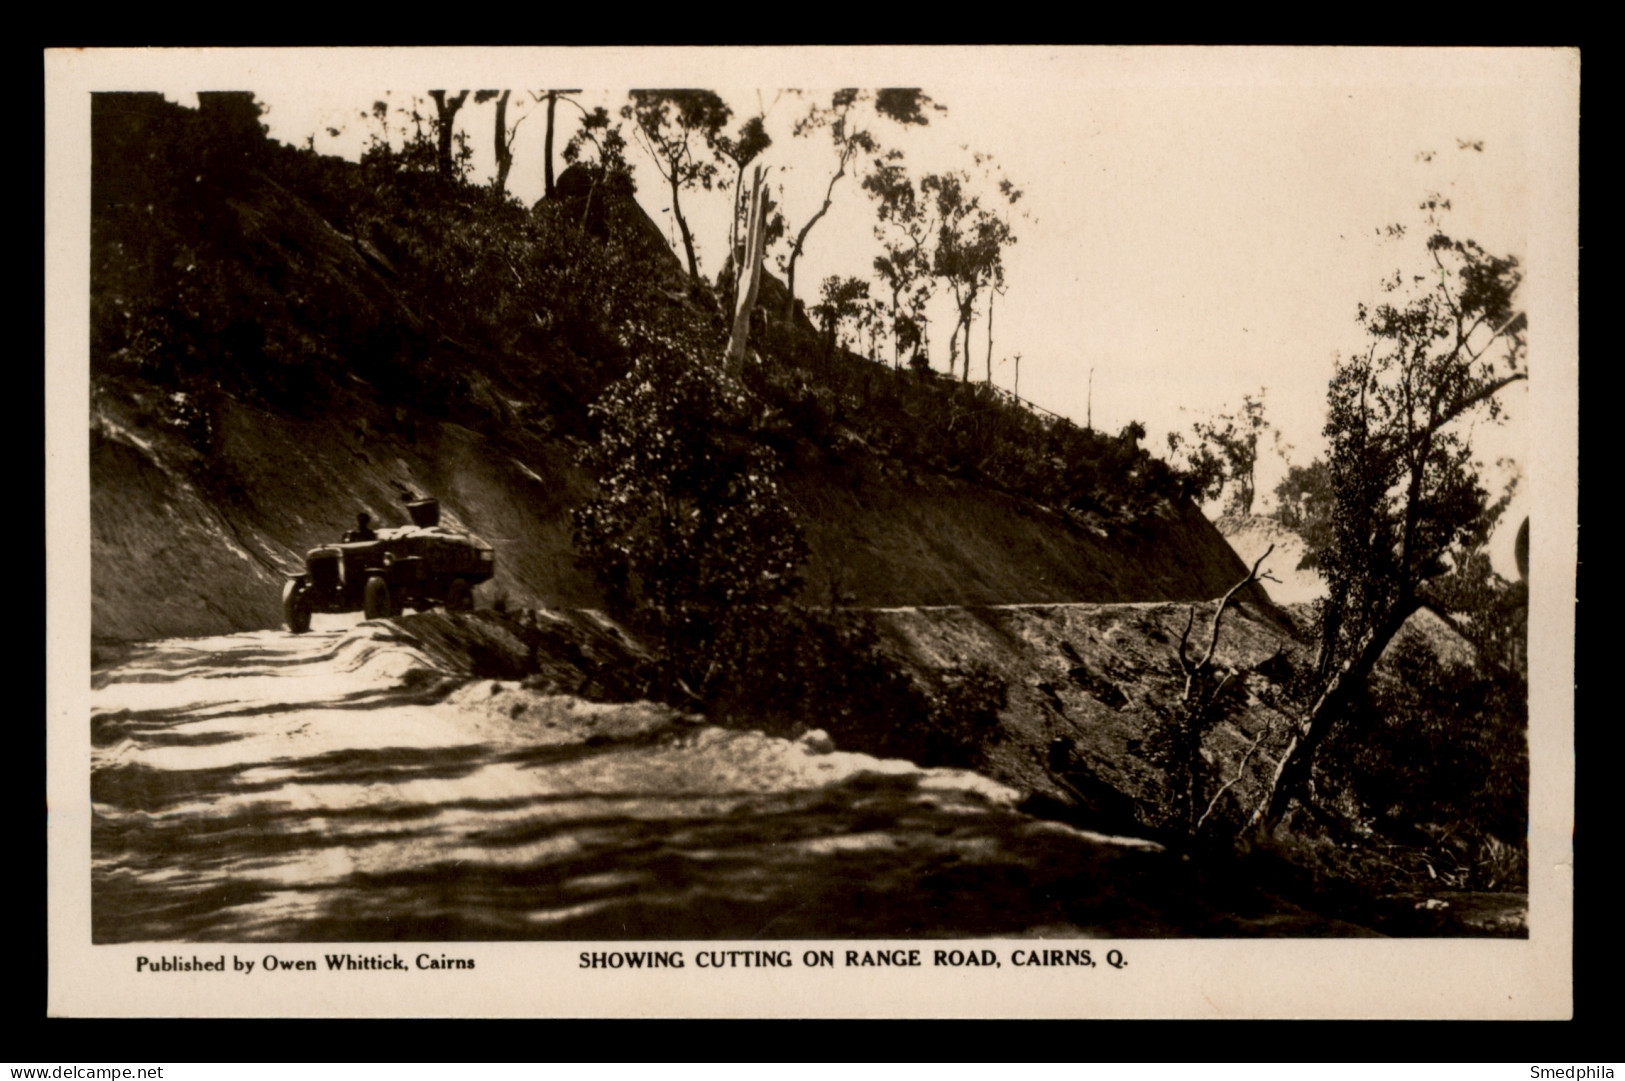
[(1203, 223)]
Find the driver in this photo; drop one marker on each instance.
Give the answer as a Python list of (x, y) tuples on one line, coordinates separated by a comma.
[(363, 529)]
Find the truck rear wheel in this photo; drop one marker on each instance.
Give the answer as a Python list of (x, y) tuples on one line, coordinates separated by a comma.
[(375, 601), (296, 607), (459, 596)]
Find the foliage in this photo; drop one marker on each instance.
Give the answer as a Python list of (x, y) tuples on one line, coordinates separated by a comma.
[(419, 291), (798, 667), (905, 229), (680, 128), (598, 131), (843, 405), (690, 524), (1490, 611), (1434, 749), (1404, 486), (841, 299), (1223, 453), (1303, 503)]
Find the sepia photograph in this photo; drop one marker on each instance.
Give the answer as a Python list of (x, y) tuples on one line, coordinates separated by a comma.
[(790, 509)]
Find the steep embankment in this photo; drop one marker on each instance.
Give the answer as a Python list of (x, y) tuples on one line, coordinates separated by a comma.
[(273, 353), (1088, 688), (183, 545)]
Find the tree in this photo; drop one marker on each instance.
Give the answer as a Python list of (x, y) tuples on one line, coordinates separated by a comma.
[(850, 136), (1404, 487), (600, 132), (689, 528), (1177, 745), (840, 299), (1224, 453), (1304, 504), (679, 129), (970, 243), (417, 153), (445, 121), (552, 98), (502, 138), (906, 230)]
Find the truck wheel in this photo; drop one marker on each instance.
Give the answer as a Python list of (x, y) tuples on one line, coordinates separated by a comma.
[(296, 607), (375, 602), (459, 596)]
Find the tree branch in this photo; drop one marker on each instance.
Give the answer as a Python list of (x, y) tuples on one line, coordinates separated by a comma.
[(1241, 769)]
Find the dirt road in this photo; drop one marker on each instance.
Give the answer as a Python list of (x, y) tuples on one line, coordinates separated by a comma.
[(340, 786)]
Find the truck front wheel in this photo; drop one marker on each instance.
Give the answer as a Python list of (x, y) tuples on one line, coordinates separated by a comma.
[(459, 596), (375, 601)]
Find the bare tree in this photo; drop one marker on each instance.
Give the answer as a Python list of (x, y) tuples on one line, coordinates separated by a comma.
[(1201, 699), (503, 136), (446, 118)]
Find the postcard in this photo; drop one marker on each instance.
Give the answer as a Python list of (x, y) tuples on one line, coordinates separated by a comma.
[(811, 532)]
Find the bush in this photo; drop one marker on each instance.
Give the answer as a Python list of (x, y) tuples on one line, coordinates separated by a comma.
[(689, 525), (1435, 756)]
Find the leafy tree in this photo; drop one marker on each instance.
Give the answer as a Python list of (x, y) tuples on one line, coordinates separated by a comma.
[(1200, 468), (850, 135), (1304, 504), (417, 153), (690, 528), (600, 133), (842, 299), (679, 129), (906, 230), (970, 243), (1404, 487), (1224, 453)]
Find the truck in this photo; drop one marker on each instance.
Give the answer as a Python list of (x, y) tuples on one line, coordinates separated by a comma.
[(418, 566)]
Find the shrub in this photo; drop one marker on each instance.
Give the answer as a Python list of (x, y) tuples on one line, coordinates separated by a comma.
[(690, 524)]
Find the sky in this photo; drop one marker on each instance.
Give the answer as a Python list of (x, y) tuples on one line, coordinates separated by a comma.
[(1200, 223)]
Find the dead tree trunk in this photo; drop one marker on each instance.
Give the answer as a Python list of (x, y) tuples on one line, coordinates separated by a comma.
[(1201, 692), (446, 115), (749, 274), (547, 146), (504, 145), (990, 295)]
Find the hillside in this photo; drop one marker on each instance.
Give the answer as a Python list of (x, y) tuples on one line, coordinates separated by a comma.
[(282, 340)]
